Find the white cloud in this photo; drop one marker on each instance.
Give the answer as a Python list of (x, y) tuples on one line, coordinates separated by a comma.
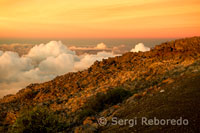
[(140, 47), (87, 60), (101, 46), (42, 63), (42, 51), (11, 65), (120, 49), (57, 65)]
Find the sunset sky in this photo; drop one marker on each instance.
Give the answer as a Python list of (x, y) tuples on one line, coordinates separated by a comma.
[(99, 18)]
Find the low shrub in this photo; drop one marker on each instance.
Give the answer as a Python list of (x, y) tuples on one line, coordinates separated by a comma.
[(103, 100), (84, 113), (36, 120)]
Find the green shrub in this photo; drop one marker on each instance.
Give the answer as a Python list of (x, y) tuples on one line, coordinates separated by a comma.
[(37, 120), (103, 100), (84, 113), (112, 97)]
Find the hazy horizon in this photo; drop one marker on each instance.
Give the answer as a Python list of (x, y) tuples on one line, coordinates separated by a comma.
[(88, 41)]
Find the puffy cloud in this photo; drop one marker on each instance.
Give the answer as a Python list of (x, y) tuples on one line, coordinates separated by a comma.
[(42, 63), (140, 47), (42, 51), (57, 65), (101, 46), (11, 65)]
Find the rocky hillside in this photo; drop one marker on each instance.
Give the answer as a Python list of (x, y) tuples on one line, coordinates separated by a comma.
[(143, 74), (175, 100)]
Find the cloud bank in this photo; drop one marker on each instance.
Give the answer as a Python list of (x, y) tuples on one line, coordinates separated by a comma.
[(46, 61), (100, 46), (140, 47), (42, 63)]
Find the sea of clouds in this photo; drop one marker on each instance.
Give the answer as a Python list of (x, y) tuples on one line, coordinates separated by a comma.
[(44, 62)]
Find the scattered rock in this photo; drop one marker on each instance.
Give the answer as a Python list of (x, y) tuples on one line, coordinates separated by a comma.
[(161, 91)]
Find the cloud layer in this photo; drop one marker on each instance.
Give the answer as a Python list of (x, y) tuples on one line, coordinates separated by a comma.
[(42, 63), (46, 61)]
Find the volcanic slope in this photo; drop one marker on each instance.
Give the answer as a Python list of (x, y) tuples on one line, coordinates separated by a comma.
[(145, 75)]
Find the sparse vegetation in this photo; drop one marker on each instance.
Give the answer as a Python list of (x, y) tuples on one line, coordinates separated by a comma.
[(37, 120), (104, 100), (84, 113)]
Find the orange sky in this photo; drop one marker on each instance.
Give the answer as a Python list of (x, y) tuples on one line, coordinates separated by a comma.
[(99, 18)]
